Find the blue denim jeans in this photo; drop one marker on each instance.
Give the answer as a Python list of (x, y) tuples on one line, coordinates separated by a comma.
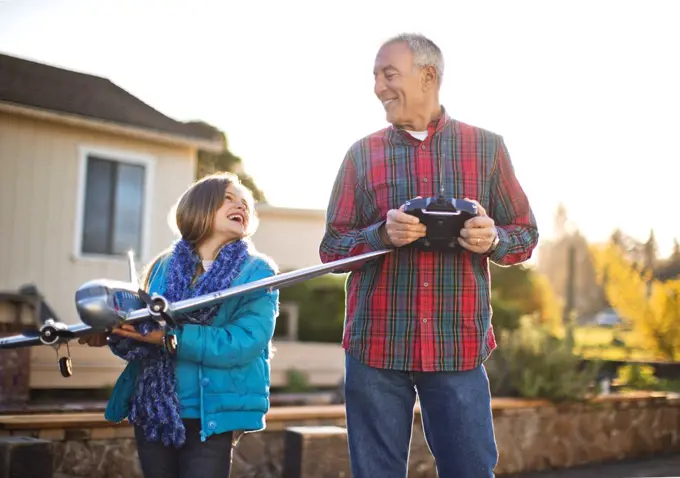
[(456, 417), (195, 459)]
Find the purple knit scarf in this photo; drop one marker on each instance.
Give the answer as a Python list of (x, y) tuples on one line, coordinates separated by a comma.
[(155, 407)]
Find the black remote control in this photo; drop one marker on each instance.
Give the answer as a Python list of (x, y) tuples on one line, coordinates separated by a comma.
[(444, 218)]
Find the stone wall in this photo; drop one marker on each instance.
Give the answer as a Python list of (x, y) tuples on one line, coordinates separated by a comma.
[(531, 435), (15, 375), (17, 312)]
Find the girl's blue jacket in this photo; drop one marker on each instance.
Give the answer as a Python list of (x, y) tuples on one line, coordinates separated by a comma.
[(222, 370)]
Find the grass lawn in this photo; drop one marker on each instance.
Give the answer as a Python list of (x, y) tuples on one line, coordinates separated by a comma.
[(609, 343)]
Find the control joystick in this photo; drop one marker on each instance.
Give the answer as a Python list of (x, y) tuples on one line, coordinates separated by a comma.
[(443, 217)]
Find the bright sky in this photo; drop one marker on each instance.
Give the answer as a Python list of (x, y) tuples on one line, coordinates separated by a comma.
[(585, 93)]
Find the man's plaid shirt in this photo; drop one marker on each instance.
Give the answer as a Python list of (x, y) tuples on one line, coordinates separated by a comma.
[(415, 310)]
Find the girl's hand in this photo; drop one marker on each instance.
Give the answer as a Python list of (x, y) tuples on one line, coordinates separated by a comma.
[(126, 330), (98, 340)]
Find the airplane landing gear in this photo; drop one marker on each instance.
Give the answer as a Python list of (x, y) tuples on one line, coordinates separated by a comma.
[(65, 366), (65, 363)]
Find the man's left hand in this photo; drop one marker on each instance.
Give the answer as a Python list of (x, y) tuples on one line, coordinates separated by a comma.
[(155, 337), (479, 232)]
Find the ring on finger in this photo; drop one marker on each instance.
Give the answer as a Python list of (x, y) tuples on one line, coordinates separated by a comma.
[(478, 241)]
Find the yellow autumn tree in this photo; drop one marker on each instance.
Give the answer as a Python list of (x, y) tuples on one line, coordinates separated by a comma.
[(550, 311), (652, 306)]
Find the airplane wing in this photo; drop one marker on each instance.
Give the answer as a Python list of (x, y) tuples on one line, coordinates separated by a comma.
[(274, 282), (32, 337), (278, 281), (27, 339)]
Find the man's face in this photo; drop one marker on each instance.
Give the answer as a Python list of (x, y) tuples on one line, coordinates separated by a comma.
[(398, 85)]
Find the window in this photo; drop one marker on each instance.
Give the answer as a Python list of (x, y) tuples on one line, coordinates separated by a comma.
[(114, 194)]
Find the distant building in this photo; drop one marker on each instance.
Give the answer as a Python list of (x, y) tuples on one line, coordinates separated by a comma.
[(290, 236)]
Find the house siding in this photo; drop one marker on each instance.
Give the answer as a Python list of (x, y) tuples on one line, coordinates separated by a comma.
[(291, 237)]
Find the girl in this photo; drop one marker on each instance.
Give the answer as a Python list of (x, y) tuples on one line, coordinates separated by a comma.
[(187, 392)]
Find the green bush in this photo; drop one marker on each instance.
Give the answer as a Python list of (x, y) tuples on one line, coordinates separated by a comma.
[(532, 363), (321, 303), (296, 381), (641, 377), (637, 377), (506, 317)]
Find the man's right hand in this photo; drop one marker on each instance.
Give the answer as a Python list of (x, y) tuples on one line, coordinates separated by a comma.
[(402, 228), (98, 340)]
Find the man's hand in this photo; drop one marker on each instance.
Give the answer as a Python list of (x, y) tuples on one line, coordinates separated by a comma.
[(155, 337), (402, 228), (479, 232), (98, 340)]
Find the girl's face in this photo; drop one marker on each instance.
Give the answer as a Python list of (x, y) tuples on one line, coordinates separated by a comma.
[(233, 217)]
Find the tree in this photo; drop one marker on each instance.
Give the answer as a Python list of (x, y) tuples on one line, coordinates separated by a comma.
[(651, 248), (561, 223), (554, 258), (518, 291), (652, 306), (516, 286), (209, 162)]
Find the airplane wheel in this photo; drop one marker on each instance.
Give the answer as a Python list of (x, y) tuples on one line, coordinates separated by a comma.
[(65, 366)]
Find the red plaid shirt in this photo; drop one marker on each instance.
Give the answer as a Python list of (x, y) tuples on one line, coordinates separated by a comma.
[(416, 310)]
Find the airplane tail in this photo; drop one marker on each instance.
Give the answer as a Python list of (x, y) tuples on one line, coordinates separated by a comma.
[(134, 279)]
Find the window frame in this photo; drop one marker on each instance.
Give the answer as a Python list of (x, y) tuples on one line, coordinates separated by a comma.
[(122, 156)]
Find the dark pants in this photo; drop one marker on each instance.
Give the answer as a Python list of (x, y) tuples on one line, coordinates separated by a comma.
[(456, 415), (209, 459)]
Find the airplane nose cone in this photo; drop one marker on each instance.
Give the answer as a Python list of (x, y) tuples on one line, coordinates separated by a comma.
[(93, 306)]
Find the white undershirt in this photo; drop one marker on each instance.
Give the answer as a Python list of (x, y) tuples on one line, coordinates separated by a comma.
[(207, 265), (421, 135)]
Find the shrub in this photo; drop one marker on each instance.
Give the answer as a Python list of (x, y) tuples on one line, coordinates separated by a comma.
[(641, 377), (533, 363), (506, 317), (321, 303), (296, 381)]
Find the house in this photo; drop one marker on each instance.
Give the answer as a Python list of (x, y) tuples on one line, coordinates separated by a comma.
[(88, 171), (290, 236)]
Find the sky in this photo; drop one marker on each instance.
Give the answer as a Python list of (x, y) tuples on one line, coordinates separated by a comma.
[(586, 94)]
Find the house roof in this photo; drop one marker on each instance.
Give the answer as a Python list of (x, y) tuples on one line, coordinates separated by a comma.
[(38, 85)]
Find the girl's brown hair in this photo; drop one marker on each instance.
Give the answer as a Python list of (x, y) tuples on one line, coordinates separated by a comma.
[(194, 213)]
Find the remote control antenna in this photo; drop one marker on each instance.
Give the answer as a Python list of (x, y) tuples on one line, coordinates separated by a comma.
[(441, 177)]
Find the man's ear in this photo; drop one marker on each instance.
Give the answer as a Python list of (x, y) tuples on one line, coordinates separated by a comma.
[(428, 78)]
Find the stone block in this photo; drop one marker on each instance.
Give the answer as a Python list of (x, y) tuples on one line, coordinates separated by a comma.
[(15, 374), (17, 312), (316, 452), (25, 457)]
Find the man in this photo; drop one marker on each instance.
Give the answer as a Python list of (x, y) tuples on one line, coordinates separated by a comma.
[(419, 322)]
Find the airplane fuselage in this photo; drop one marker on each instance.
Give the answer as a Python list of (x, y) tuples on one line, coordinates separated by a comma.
[(103, 304)]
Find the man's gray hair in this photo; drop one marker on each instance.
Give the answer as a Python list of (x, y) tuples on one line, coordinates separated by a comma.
[(425, 51)]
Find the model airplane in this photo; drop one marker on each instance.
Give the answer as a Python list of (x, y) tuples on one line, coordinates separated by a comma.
[(104, 304)]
